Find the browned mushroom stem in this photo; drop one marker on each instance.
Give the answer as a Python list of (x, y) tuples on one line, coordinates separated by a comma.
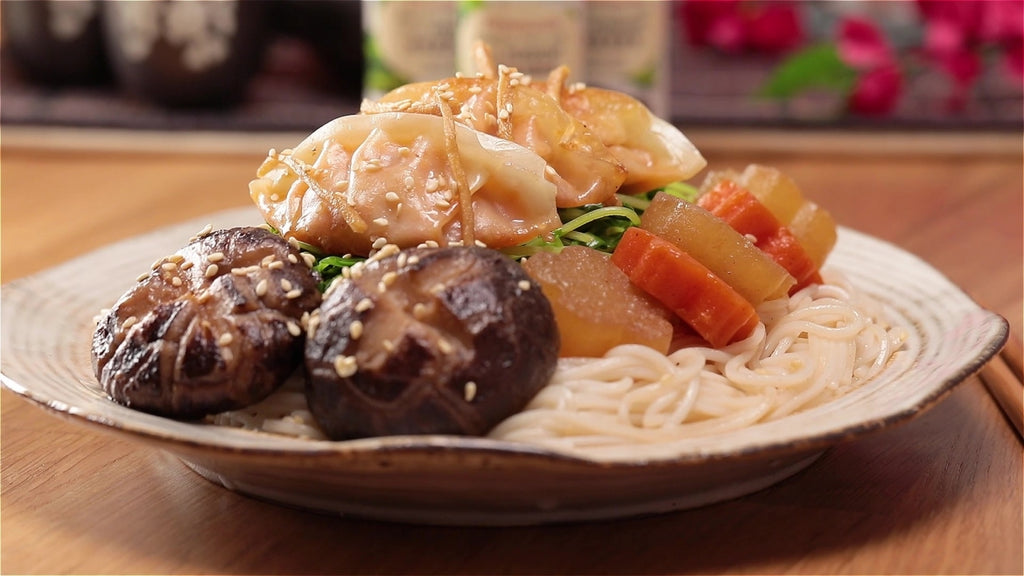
[(215, 327), (431, 340)]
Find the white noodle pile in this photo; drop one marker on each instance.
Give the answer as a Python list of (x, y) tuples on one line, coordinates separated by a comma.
[(810, 348)]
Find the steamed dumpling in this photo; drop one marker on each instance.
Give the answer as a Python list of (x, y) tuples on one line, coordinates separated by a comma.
[(653, 151), (361, 178), (582, 167)]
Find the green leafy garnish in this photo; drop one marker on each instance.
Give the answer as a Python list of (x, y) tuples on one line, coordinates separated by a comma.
[(596, 226)]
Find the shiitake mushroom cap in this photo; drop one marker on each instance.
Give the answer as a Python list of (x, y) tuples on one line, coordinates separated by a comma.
[(429, 341)]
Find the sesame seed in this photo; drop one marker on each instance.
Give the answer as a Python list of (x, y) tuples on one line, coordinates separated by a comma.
[(389, 278), (379, 243), (211, 270), (142, 277), (293, 242), (413, 260), (503, 115), (225, 339), (442, 203), (227, 354), (294, 329), (206, 231), (176, 281), (469, 391), (309, 259), (345, 366), (261, 288), (480, 243), (267, 260), (185, 265), (293, 294), (245, 270), (293, 258), (392, 197), (445, 346), (215, 257), (176, 258), (380, 221), (129, 322), (431, 185), (286, 285), (420, 311), (355, 330), (387, 345), (385, 251), (402, 259), (525, 285), (275, 265), (203, 297), (314, 322), (169, 266)]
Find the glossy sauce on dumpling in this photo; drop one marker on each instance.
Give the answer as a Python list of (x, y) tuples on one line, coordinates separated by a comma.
[(364, 177), (582, 167)]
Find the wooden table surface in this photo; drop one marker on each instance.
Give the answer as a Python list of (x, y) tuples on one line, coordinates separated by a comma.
[(939, 494)]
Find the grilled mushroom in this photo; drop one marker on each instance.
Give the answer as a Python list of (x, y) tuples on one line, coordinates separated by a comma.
[(216, 326), (431, 340)]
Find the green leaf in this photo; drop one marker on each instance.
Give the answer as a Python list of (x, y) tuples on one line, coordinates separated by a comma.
[(815, 67)]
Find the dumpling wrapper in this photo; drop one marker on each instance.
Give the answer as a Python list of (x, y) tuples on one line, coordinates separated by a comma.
[(653, 151), (585, 170), (363, 177)]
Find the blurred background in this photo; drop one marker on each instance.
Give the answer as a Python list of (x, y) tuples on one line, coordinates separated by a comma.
[(292, 65)]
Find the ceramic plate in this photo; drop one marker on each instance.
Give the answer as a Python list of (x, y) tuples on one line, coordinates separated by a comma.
[(46, 332)]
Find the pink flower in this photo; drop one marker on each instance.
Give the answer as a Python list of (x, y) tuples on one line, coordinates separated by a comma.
[(861, 45), (877, 91), (774, 28), (733, 26), (956, 31), (700, 19), (878, 88)]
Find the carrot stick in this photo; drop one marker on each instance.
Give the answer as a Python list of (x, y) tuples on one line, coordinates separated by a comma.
[(785, 249), (704, 301), (748, 215), (741, 209)]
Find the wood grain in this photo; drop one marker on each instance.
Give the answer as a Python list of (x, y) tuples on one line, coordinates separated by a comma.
[(940, 494)]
